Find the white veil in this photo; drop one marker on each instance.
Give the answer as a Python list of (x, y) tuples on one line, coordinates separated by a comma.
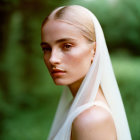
[(100, 73)]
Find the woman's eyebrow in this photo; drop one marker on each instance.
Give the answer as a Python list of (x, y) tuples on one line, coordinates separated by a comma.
[(43, 43), (64, 40)]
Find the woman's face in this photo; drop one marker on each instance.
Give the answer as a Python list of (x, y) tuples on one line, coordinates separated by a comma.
[(67, 53)]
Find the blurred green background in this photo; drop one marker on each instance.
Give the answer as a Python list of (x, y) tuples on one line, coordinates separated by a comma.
[(28, 97)]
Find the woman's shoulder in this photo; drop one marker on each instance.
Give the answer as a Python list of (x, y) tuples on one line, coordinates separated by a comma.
[(94, 123)]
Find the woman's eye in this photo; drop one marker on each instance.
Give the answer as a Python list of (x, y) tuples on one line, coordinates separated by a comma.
[(46, 49), (67, 45)]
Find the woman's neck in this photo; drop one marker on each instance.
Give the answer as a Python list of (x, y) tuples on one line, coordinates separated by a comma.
[(75, 86)]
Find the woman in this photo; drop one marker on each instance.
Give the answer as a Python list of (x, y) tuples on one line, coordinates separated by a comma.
[(76, 56)]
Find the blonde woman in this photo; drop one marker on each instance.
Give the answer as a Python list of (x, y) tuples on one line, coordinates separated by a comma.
[(76, 56)]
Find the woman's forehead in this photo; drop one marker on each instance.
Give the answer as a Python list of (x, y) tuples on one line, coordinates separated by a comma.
[(58, 30)]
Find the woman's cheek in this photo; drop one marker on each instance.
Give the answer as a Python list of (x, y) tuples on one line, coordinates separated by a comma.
[(72, 60), (46, 61), (77, 56)]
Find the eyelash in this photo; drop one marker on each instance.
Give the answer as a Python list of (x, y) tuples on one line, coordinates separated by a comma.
[(67, 45), (46, 49)]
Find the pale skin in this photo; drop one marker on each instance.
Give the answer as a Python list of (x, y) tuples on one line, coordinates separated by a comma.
[(94, 123), (66, 49)]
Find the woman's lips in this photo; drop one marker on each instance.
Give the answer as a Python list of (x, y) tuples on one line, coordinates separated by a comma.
[(57, 72)]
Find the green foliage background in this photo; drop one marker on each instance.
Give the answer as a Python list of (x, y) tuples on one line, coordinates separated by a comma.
[(28, 97)]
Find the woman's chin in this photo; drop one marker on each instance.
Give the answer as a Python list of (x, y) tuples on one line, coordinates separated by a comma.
[(60, 82)]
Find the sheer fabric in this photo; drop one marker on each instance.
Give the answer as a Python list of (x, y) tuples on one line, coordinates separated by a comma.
[(100, 73)]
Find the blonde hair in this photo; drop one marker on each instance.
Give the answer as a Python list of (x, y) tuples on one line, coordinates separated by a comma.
[(75, 15)]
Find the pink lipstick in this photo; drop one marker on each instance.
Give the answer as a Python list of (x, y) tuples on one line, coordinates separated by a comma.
[(57, 72)]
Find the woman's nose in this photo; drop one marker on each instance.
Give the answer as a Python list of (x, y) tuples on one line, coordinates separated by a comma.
[(54, 57)]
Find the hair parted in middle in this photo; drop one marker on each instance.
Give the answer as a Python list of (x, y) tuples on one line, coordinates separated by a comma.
[(77, 16)]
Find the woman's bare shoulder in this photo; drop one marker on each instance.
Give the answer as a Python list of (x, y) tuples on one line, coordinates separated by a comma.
[(95, 123)]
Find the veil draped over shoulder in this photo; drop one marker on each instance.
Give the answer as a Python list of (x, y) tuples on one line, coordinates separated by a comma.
[(100, 73)]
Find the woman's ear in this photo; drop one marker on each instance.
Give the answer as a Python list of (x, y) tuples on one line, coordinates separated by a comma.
[(93, 51)]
